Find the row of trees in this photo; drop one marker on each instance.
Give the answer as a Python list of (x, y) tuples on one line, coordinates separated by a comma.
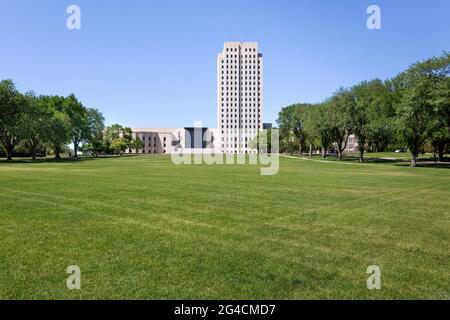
[(44, 123), (411, 110)]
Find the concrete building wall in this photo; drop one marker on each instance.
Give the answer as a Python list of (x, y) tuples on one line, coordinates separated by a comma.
[(239, 95), (169, 140), (155, 140), (352, 145)]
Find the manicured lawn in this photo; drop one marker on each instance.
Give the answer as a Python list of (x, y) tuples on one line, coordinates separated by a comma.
[(141, 227), (396, 155)]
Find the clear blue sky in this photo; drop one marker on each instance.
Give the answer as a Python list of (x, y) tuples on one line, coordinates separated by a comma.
[(153, 63)]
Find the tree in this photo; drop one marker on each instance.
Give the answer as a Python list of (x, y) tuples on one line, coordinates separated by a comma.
[(96, 127), (419, 109), (12, 116), (77, 117), (115, 132), (119, 145), (339, 112), (37, 117), (58, 129), (291, 121), (323, 128), (127, 135), (318, 126), (440, 100), (112, 132), (310, 126), (360, 116), (287, 143), (369, 113), (136, 144)]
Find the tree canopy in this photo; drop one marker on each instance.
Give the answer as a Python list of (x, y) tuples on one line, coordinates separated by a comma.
[(410, 110)]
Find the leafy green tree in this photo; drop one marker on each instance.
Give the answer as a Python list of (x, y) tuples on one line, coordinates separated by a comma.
[(360, 115), (440, 140), (77, 117), (291, 122), (310, 126), (136, 144), (419, 109), (119, 145), (96, 127), (369, 113), (112, 132), (38, 118), (127, 135), (288, 143), (440, 100), (116, 131), (319, 123), (382, 119), (58, 129), (339, 114), (12, 116)]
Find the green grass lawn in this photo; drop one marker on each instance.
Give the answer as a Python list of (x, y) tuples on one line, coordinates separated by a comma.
[(396, 155), (141, 227)]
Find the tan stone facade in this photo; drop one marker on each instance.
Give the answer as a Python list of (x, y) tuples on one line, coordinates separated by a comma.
[(156, 140), (170, 140), (239, 95)]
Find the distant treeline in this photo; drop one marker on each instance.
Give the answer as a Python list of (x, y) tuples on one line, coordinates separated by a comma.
[(36, 125), (411, 110)]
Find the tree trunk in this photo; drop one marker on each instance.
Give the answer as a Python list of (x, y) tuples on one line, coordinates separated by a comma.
[(361, 156), (441, 153), (300, 148), (33, 151), (413, 161), (9, 153), (57, 155), (441, 156), (323, 152), (75, 150), (310, 150), (339, 154)]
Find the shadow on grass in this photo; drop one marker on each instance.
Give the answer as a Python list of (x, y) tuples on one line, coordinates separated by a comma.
[(60, 160), (427, 164), (353, 159), (371, 160), (421, 162)]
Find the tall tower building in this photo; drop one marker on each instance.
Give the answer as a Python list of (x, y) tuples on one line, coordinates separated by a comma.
[(239, 96)]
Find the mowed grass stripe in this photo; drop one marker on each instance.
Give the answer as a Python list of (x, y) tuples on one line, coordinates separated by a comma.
[(221, 231)]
